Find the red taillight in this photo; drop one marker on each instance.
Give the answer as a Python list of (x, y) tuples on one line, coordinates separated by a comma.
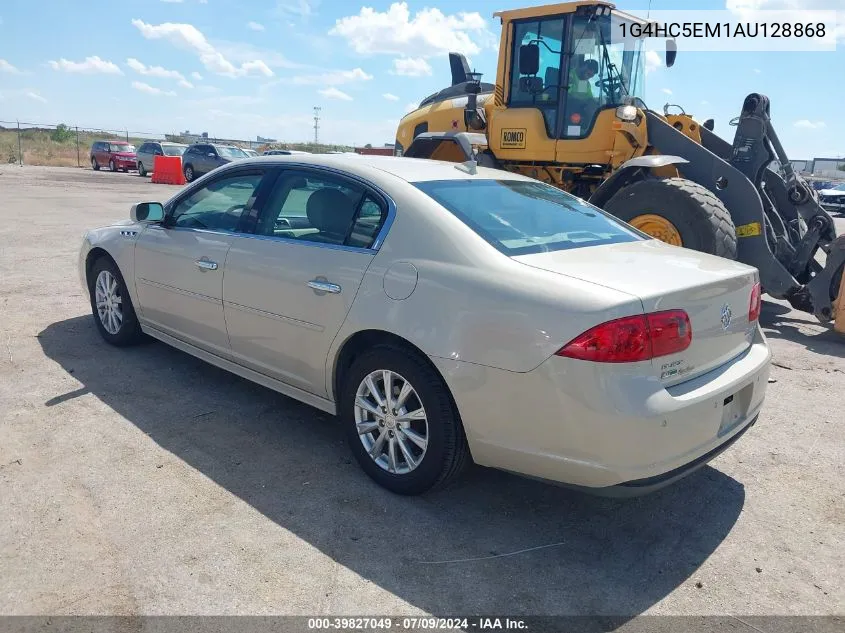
[(756, 303), (633, 338)]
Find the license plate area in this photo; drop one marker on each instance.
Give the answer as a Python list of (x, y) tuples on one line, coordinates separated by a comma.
[(735, 409)]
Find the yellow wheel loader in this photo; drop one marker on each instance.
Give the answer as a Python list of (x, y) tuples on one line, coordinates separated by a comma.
[(567, 108)]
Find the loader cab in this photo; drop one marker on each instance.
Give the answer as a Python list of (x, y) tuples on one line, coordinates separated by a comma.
[(570, 66)]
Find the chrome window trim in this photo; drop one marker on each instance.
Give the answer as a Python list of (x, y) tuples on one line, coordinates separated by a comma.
[(268, 165)]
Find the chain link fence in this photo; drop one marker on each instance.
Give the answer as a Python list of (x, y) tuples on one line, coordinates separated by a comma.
[(64, 145)]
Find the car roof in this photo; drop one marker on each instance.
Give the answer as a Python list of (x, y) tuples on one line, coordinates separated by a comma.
[(407, 169)]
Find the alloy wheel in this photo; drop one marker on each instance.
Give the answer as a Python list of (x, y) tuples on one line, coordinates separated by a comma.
[(109, 302), (391, 421)]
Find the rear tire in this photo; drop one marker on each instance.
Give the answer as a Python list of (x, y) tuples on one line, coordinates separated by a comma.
[(94, 164), (106, 285), (445, 452), (703, 222), (189, 173)]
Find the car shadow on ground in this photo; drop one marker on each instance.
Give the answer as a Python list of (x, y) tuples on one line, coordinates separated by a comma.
[(825, 340), (492, 543)]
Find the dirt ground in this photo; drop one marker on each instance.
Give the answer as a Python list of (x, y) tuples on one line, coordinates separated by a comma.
[(143, 481)]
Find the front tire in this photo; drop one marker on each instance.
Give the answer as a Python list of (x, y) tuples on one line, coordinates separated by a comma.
[(400, 421), (679, 212), (142, 172), (114, 314), (112, 165), (189, 173)]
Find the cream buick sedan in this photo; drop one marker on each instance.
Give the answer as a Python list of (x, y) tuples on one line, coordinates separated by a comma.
[(445, 313)]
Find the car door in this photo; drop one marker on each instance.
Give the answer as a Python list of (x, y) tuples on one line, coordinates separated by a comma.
[(289, 287), (101, 153), (179, 263)]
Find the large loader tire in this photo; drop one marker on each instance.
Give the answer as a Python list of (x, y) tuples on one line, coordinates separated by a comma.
[(679, 212)]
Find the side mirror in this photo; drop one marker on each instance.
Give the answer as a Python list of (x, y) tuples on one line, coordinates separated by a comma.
[(147, 212), (671, 52), (212, 155), (529, 59)]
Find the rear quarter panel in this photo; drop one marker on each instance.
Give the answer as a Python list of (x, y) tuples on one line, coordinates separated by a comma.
[(470, 302)]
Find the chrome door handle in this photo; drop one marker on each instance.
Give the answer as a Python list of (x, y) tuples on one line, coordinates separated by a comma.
[(323, 286), (204, 264)]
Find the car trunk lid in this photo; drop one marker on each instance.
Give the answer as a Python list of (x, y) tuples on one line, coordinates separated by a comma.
[(714, 292)]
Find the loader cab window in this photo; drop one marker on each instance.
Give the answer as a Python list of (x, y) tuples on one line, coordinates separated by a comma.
[(539, 90), (603, 68)]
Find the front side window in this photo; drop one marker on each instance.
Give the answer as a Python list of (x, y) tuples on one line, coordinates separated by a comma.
[(219, 205), (321, 208), (521, 217)]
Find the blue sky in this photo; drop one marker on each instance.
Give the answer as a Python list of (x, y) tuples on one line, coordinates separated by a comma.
[(236, 68)]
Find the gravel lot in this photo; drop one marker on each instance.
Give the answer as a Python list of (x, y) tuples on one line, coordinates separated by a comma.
[(143, 481)]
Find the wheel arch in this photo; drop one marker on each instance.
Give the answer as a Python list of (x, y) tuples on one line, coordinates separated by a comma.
[(94, 254), (364, 340), (631, 171)]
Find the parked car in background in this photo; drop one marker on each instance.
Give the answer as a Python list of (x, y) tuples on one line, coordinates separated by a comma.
[(114, 155), (201, 158), (444, 314), (283, 152), (833, 199), (250, 152), (148, 151)]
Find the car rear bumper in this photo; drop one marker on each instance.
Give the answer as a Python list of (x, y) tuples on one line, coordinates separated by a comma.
[(610, 429)]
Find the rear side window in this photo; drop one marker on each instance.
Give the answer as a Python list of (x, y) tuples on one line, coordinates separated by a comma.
[(520, 217)]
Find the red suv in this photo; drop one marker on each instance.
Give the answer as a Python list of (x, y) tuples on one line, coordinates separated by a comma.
[(115, 154)]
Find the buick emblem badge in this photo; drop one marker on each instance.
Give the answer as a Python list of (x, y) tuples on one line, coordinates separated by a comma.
[(727, 315)]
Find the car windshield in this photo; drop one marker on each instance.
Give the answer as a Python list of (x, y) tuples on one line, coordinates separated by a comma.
[(231, 152), (839, 187), (520, 217), (121, 147), (173, 150)]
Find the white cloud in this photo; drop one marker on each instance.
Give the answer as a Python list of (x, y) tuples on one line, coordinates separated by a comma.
[(411, 67), (756, 71), (302, 8), (428, 33), (705, 103), (6, 67), (142, 87), (809, 125), (652, 61), (157, 71), (173, 1), (334, 93), (36, 97), (666, 91), (333, 77), (390, 97), (255, 26), (91, 64), (187, 36), (196, 76), (410, 107)]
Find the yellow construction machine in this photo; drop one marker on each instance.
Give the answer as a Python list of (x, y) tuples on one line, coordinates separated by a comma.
[(567, 108)]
